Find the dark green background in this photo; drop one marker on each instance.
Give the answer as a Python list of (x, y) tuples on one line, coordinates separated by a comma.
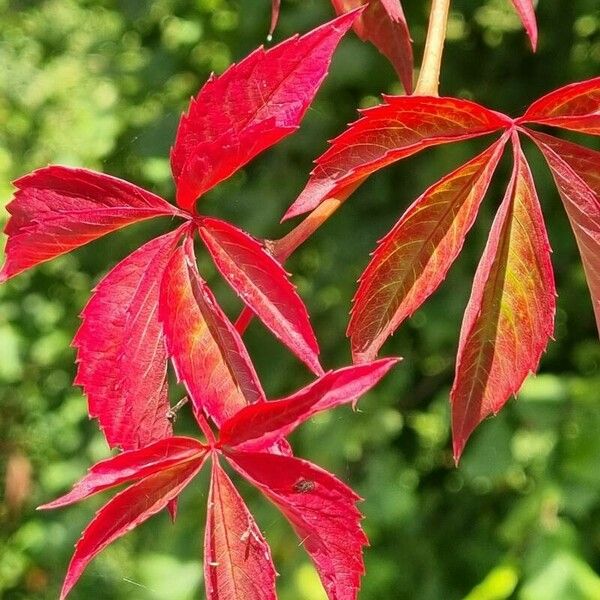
[(101, 84)]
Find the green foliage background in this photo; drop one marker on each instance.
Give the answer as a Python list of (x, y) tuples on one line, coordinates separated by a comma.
[(101, 84)]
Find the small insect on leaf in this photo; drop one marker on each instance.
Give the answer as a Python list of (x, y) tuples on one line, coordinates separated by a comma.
[(303, 486)]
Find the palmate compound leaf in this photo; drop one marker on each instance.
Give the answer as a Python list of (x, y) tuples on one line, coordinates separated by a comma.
[(576, 171), (57, 209), (259, 426), (322, 511), (250, 107), (574, 106), (128, 509), (237, 559), (121, 354), (207, 352), (263, 285), (412, 260), (384, 25), (510, 314), (526, 11), (384, 134)]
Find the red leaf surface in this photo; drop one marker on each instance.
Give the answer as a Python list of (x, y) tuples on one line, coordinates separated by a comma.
[(322, 511), (576, 171), (510, 315), (252, 106), (257, 427), (130, 466), (207, 352), (384, 134), (574, 107), (412, 260), (237, 559), (384, 25), (526, 12), (57, 209), (121, 354), (263, 285), (126, 511)]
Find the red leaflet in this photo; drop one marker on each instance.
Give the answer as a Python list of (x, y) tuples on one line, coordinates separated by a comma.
[(252, 106), (577, 175), (237, 559), (574, 106), (127, 510), (257, 427), (510, 315), (400, 127), (121, 354), (132, 465), (413, 258), (276, 5), (526, 11), (322, 511), (384, 25), (207, 352), (262, 283), (57, 209)]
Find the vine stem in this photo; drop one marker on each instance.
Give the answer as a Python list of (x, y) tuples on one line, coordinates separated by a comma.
[(429, 77)]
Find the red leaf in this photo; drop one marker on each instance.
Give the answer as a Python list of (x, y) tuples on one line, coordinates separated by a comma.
[(252, 106), (526, 12), (257, 427), (121, 354), (262, 283), (510, 315), (577, 175), (322, 511), (276, 5), (126, 511), (237, 559), (207, 352), (574, 106), (130, 466), (400, 127), (412, 260), (384, 25), (57, 209)]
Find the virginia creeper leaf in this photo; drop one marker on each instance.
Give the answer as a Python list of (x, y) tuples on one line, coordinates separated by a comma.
[(510, 314), (576, 171), (322, 511), (275, 7), (121, 354), (258, 426), (237, 559), (126, 511), (384, 25), (412, 260), (130, 466), (526, 12), (574, 107), (262, 283), (252, 106), (57, 209), (384, 134), (207, 352)]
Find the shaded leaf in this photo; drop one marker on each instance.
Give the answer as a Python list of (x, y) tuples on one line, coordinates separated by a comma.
[(207, 352), (57, 209), (250, 107), (263, 285), (237, 559), (574, 107), (510, 314), (526, 12), (412, 260), (275, 8), (322, 511), (121, 354), (384, 134), (258, 426)]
